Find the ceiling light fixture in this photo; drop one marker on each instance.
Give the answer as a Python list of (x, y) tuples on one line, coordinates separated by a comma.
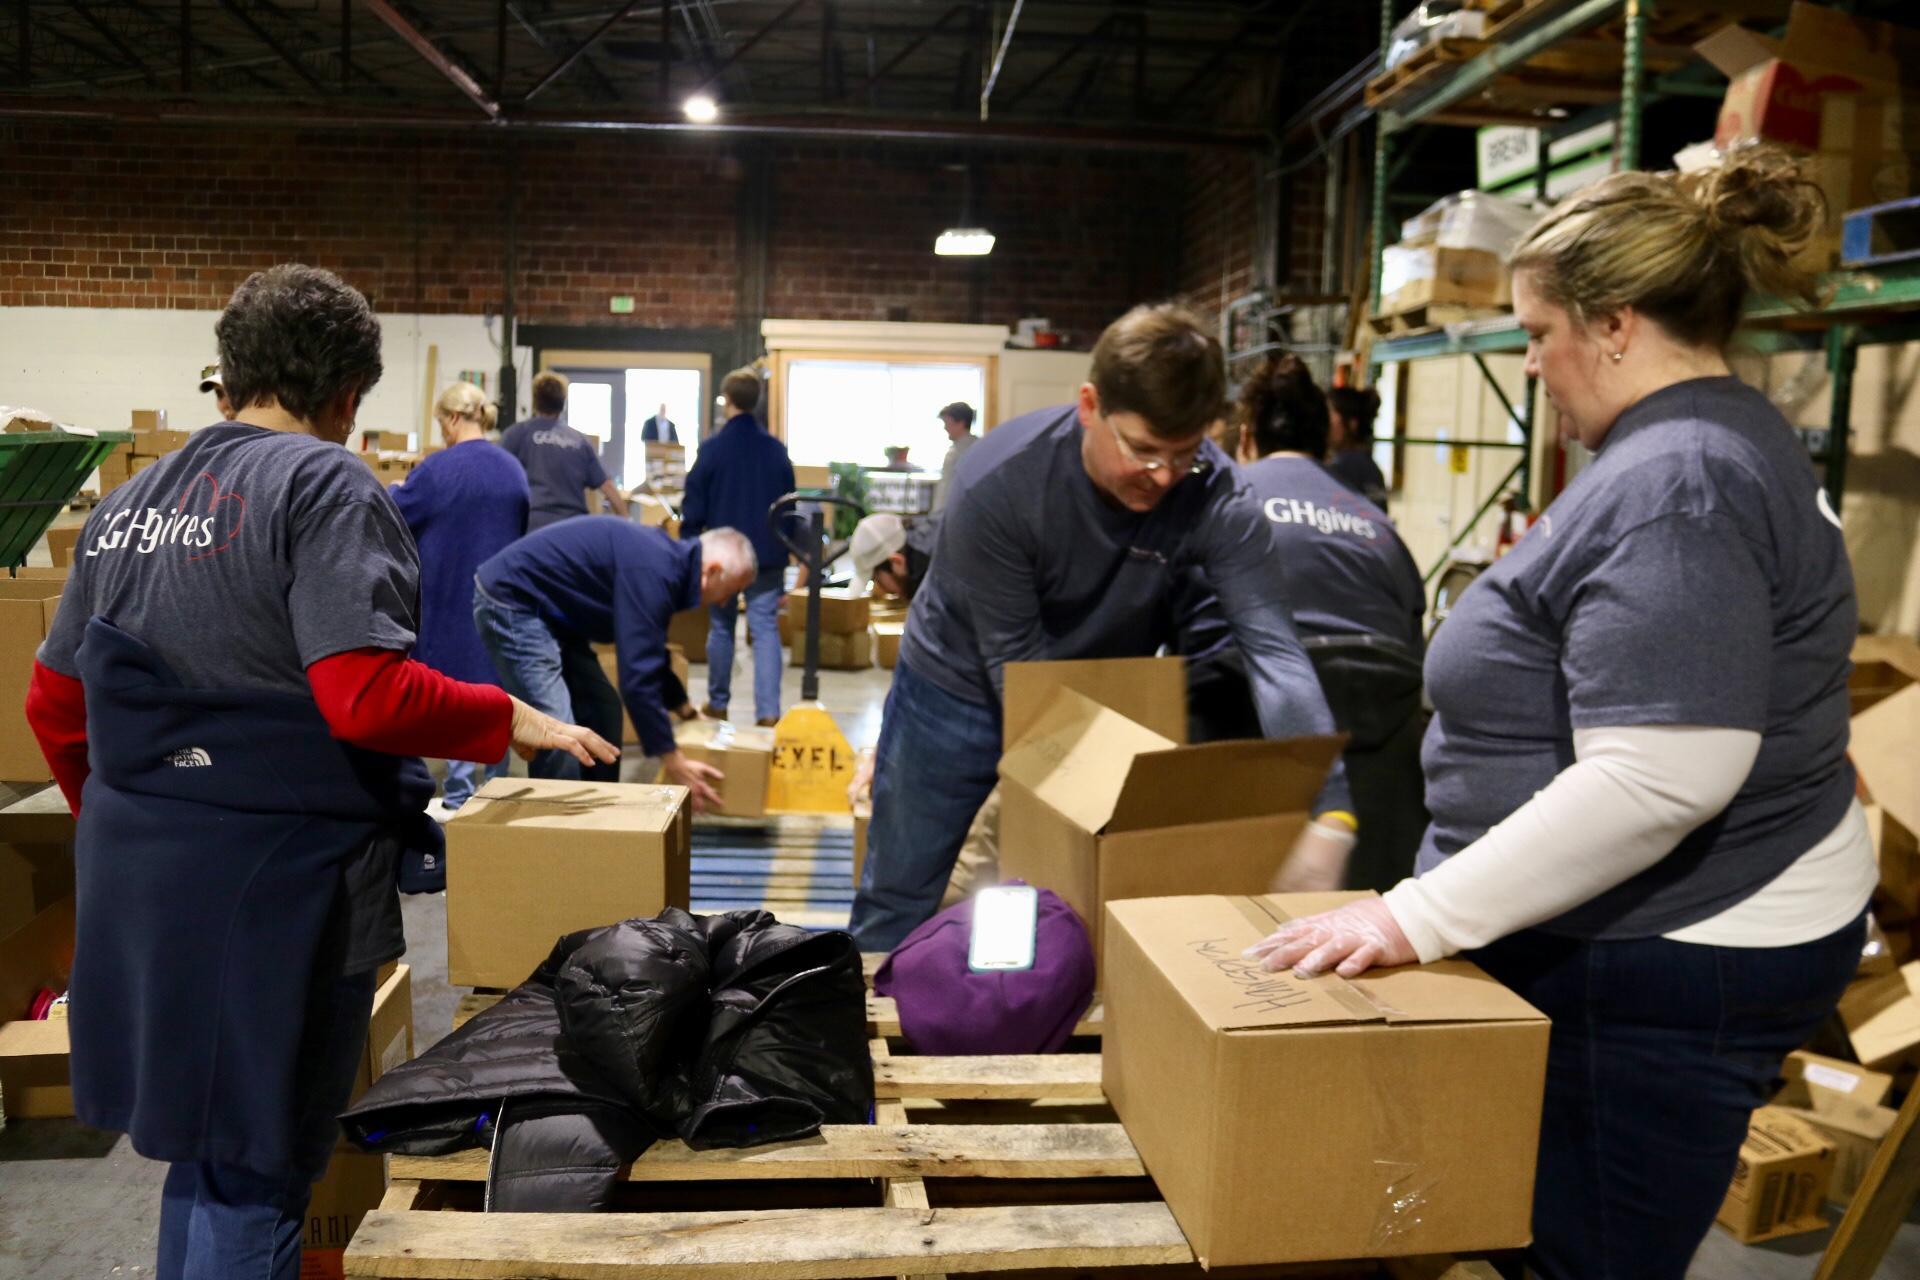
[(701, 109), (964, 242)]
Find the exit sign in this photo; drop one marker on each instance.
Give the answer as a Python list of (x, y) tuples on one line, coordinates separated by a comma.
[(621, 304)]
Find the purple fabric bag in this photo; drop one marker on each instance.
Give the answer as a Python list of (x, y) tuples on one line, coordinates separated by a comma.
[(947, 1009)]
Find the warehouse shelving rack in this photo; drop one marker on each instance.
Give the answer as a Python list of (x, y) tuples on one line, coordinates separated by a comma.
[(1864, 308)]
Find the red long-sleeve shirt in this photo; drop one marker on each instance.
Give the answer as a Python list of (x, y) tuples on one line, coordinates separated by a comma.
[(374, 698)]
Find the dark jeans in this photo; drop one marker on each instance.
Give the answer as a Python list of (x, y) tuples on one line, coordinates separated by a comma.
[(933, 769), (1660, 1051), (223, 1222), (558, 675)]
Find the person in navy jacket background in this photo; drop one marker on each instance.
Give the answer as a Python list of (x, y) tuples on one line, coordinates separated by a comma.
[(227, 687), (463, 503), (542, 604), (739, 474)]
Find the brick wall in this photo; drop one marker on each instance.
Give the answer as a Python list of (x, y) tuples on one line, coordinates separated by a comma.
[(158, 217), (1217, 232)]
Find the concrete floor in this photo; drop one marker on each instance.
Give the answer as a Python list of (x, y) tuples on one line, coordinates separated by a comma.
[(76, 1204)]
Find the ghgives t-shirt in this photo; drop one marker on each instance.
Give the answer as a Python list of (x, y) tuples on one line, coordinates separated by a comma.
[(561, 465), (1693, 575), (242, 559)]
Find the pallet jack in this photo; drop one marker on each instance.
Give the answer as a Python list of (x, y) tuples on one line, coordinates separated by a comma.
[(812, 763)]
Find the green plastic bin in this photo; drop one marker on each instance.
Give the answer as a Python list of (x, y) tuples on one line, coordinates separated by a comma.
[(40, 472)]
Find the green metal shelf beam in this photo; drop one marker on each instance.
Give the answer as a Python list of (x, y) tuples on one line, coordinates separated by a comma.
[(1477, 73), (1485, 337)]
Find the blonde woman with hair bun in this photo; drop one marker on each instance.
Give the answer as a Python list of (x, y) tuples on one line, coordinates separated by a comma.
[(463, 503), (1643, 815)]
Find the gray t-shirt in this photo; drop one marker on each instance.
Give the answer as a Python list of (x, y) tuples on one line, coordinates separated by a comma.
[(1693, 575), (1033, 563), (561, 465), (244, 558)]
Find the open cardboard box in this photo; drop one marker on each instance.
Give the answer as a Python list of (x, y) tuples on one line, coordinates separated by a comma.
[(1781, 1180), (531, 859), (1845, 1102), (1298, 1120), (34, 1081), (1097, 807), (744, 755), (1882, 1017), (27, 608)]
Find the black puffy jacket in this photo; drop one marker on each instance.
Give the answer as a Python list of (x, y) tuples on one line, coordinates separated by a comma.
[(725, 1031)]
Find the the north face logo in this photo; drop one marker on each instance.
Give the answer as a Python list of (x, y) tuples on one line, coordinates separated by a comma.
[(190, 758)]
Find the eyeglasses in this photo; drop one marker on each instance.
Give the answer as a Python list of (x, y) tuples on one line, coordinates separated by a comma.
[(1182, 463)]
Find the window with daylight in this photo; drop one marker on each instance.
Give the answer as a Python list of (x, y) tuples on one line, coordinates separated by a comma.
[(855, 410)]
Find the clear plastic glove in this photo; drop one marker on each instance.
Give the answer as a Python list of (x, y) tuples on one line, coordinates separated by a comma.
[(1318, 862), (534, 731), (1348, 940), (695, 776)]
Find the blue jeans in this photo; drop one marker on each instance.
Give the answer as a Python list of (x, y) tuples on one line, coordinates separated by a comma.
[(528, 658), (464, 777), (763, 629), (224, 1222), (1659, 1052), (933, 769)]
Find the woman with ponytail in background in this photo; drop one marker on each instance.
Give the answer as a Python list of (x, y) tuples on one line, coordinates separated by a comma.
[(1643, 815), (1350, 447), (463, 503)]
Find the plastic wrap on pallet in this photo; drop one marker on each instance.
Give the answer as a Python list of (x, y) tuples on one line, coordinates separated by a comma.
[(1431, 21)]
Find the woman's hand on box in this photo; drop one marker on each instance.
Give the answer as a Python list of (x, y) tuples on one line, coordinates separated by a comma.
[(534, 731), (1348, 940)]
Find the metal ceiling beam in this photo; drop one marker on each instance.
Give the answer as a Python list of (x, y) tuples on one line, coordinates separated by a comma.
[(113, 38), (1067, 55), (740, 49), (565, 64), (272, 42), (909, 49), (535, 31), (437, 60), (1000, 56)]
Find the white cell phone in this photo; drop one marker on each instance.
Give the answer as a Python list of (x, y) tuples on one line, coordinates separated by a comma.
[(1005, 920)]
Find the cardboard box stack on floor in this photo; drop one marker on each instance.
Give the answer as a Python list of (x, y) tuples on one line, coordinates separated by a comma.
[(1781, 1181), (1846, 1103), (152, 440), (529, 860), (1841, 91), (390, 454), (846, 638), (1300, 1120), (1097, 807), (27, 607), (744, 755), (889, 628)]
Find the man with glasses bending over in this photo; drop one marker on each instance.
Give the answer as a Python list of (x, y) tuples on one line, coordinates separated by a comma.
[(1061, 538)]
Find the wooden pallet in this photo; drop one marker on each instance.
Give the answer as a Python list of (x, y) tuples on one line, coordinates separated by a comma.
[(980, 1164), (1426, 319)]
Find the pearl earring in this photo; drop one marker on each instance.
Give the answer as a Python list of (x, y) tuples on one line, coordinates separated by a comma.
[(1618, 356)]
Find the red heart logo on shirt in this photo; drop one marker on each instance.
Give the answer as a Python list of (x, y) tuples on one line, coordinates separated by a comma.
[(225, 509)]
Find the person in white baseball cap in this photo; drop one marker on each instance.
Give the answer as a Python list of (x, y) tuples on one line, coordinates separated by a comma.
[(877, 540), (210, 380)]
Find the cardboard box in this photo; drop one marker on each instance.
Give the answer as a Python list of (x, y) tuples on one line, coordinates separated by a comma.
[(1781, 1180), (27, 608), (529, 860), (1426, 275), (36, 858), (389, 1031), (1882, 1017), (391, 468), (138, 463), (1151, 692), (33, 1054), (1417, 1090), (838, 651), (1779, 88), (1882, 667), (1824, 1077), (1097, 808), (1885, 746), (61, 542), (841, 612), (116, 469), (862, 818), (386, 442), (886, 643), (1844, 1101), (353, 1186), (688, 631), (149, 420), (610, 664), (655, 514), (157, 444), (744, 755)]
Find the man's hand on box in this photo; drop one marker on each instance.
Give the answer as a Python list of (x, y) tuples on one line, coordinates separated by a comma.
[(1348, 940), (698, 778)]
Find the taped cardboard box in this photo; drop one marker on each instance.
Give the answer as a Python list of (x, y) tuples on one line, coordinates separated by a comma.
[(36, 857), (148, 420), (841, 612), (1882, 1017), (839, 651), (688, 630), (1417, 1090), (27, 608), (354, 1185), (157, 444), (1781, 1180), (886, 643), (1097, 808), (34, 1082), (531, 859), (1885, 746), (1429, 275), (744, 755), (1845, 1102)]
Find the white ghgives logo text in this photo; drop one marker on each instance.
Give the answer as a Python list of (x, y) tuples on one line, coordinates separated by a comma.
[(1325, 519)]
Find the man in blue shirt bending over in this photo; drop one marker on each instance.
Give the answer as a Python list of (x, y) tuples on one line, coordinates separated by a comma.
[(543, 603), (738, 475), (1062, 537)]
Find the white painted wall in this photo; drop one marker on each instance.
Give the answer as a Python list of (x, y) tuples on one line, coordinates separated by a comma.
[(93, 366)]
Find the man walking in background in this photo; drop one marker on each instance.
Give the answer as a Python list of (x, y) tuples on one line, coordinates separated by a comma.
[(957, 418), (562, 464), (737, 477)]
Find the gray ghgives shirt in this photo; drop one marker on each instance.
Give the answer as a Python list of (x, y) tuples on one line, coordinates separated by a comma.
[(561, 465), (1692, 575), (1033, 563), (242, 559)]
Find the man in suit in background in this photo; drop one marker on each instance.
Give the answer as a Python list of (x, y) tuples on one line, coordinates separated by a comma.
[(659, 429)]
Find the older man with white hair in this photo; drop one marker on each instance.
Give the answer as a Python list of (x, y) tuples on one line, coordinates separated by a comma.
[(542, 603)]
